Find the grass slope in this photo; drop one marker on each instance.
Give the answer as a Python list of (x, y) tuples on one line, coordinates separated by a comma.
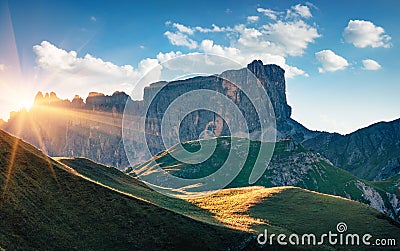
[(291, 165), (252, 209), (47, 206)]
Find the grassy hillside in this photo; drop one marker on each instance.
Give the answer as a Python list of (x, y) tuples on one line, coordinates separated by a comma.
[(291, 165), (113, 178), (47, 206), (252, 209)]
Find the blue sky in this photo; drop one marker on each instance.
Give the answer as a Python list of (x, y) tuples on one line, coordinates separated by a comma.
[(340, 57)]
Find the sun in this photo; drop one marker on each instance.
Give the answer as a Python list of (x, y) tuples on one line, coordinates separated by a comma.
[(24, 104)]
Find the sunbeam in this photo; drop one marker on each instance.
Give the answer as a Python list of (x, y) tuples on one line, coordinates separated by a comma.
[(12, 159), (38, 135)]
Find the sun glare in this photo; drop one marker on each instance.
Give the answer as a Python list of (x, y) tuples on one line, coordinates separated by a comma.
[(24, 104)]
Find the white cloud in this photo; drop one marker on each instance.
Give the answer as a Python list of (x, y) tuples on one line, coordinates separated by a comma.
[(330, 61), (215, 28), (252, 18), (290, 38), (299, 10), (180, 36), (208, 46), (269, 13), (163, 57), (271, 42), (183, 29), (364, 33), (194, 63), (2, 67), (60, 68), (93, 18), (277, 39), (244, 57), (180, 39), (371, 65)]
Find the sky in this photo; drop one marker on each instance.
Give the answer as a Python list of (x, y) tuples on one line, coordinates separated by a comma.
[(341, 58)]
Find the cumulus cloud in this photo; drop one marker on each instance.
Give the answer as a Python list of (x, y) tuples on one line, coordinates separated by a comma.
[(365, 33), (244, 57), (163, 57), (180, 39), (60, 68), (184, 29), (252, 18), (180, 36), (290, 38), (194, 63), (269, 13), (371, 65), (215, 28), (299, 11), (271, 42), (208, 46), (330, 61)]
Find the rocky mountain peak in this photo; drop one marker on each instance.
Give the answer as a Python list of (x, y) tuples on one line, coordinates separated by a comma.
[(39, 99), (47, 99), (95, 94), (272, 77), (77, 102)]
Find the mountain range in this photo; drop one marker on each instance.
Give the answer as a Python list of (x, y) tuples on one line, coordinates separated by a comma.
[(362, 166), (75, 204), (93, 129)]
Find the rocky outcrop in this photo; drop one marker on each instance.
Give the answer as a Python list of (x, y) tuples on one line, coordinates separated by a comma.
[(95, 101), (99, 102), (77, 103), (395, 203), (272, 78), (371, 195), (384, 202)]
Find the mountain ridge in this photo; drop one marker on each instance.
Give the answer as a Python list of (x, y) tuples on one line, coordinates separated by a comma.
[(94, 129), (375, 150)]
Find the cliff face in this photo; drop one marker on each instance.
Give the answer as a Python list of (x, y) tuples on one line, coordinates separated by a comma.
[(270, 76)]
